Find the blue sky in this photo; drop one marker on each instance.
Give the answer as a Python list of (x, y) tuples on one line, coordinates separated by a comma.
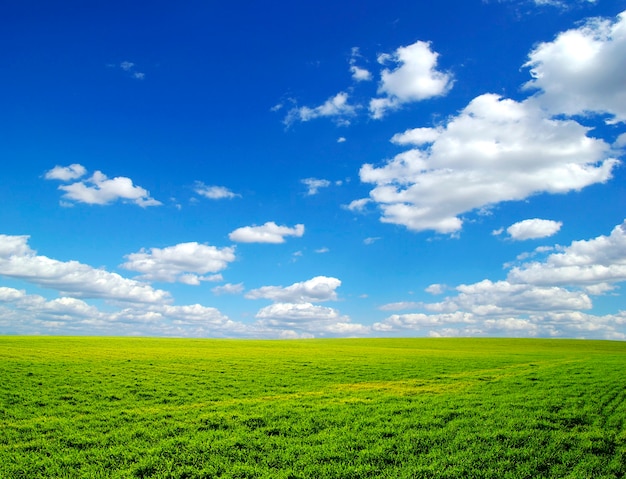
[(314, 169)]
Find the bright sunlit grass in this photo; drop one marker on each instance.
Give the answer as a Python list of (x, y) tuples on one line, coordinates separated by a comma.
[(395, 408)]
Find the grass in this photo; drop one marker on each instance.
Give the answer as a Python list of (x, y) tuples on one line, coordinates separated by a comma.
[(358, 408)]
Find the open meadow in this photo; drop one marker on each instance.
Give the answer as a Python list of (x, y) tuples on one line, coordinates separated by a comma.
[(90, 407)]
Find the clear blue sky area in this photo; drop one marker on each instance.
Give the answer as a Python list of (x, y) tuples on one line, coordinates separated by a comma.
[(313, 169)]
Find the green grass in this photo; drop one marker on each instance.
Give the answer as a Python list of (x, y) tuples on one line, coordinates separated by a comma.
[(394, 408)]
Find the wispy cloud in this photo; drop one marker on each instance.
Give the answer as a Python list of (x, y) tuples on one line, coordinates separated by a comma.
[(214, 192), (130, 68), (359, 74), (314, 184), (337, 107)]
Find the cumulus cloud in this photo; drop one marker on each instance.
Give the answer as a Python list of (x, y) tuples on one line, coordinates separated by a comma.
[(184, 262), (33, 314), (71, 278), (336, 107), (99, 189), (307, 320), (416, 136), (582, 70), (533, 228), (586, 263), (317, 289), (543, 298), (270, 232), (494, 150), (314, 184), (414, 78), (489, 307), (66, 173), (214, 192)]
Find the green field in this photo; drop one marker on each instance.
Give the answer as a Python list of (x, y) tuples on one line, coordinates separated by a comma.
[(354, 408)]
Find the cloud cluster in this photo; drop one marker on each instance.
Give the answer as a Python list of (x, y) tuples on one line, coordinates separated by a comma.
[(411, 76), (543, 298), (71, 278), (98, 189), (270, 232), (593, 264), (320, 288), (184, 262), (494, 150), (498, 149), (33, 314), (294, 314)]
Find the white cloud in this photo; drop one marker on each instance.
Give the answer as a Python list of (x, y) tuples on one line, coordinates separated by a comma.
[(228, 288), (371, 240), (564, 4), (314, 184), (435, 289), (487, 297), (538, 298), (322, 250), (533, 228), (184, 262), (33, 314), (336, 107), (416, 136), (98, 189), (582, 70), (495, 150), (270, 232), (414, 79), (18, 260), (214, 192), (358, 205), (587, 263), (341, 139), (307, 320), (318, 289), (492, 308), (66, 173), (358, 74)]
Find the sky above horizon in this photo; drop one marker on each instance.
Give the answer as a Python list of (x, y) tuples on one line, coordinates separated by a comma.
[(314, 169)]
